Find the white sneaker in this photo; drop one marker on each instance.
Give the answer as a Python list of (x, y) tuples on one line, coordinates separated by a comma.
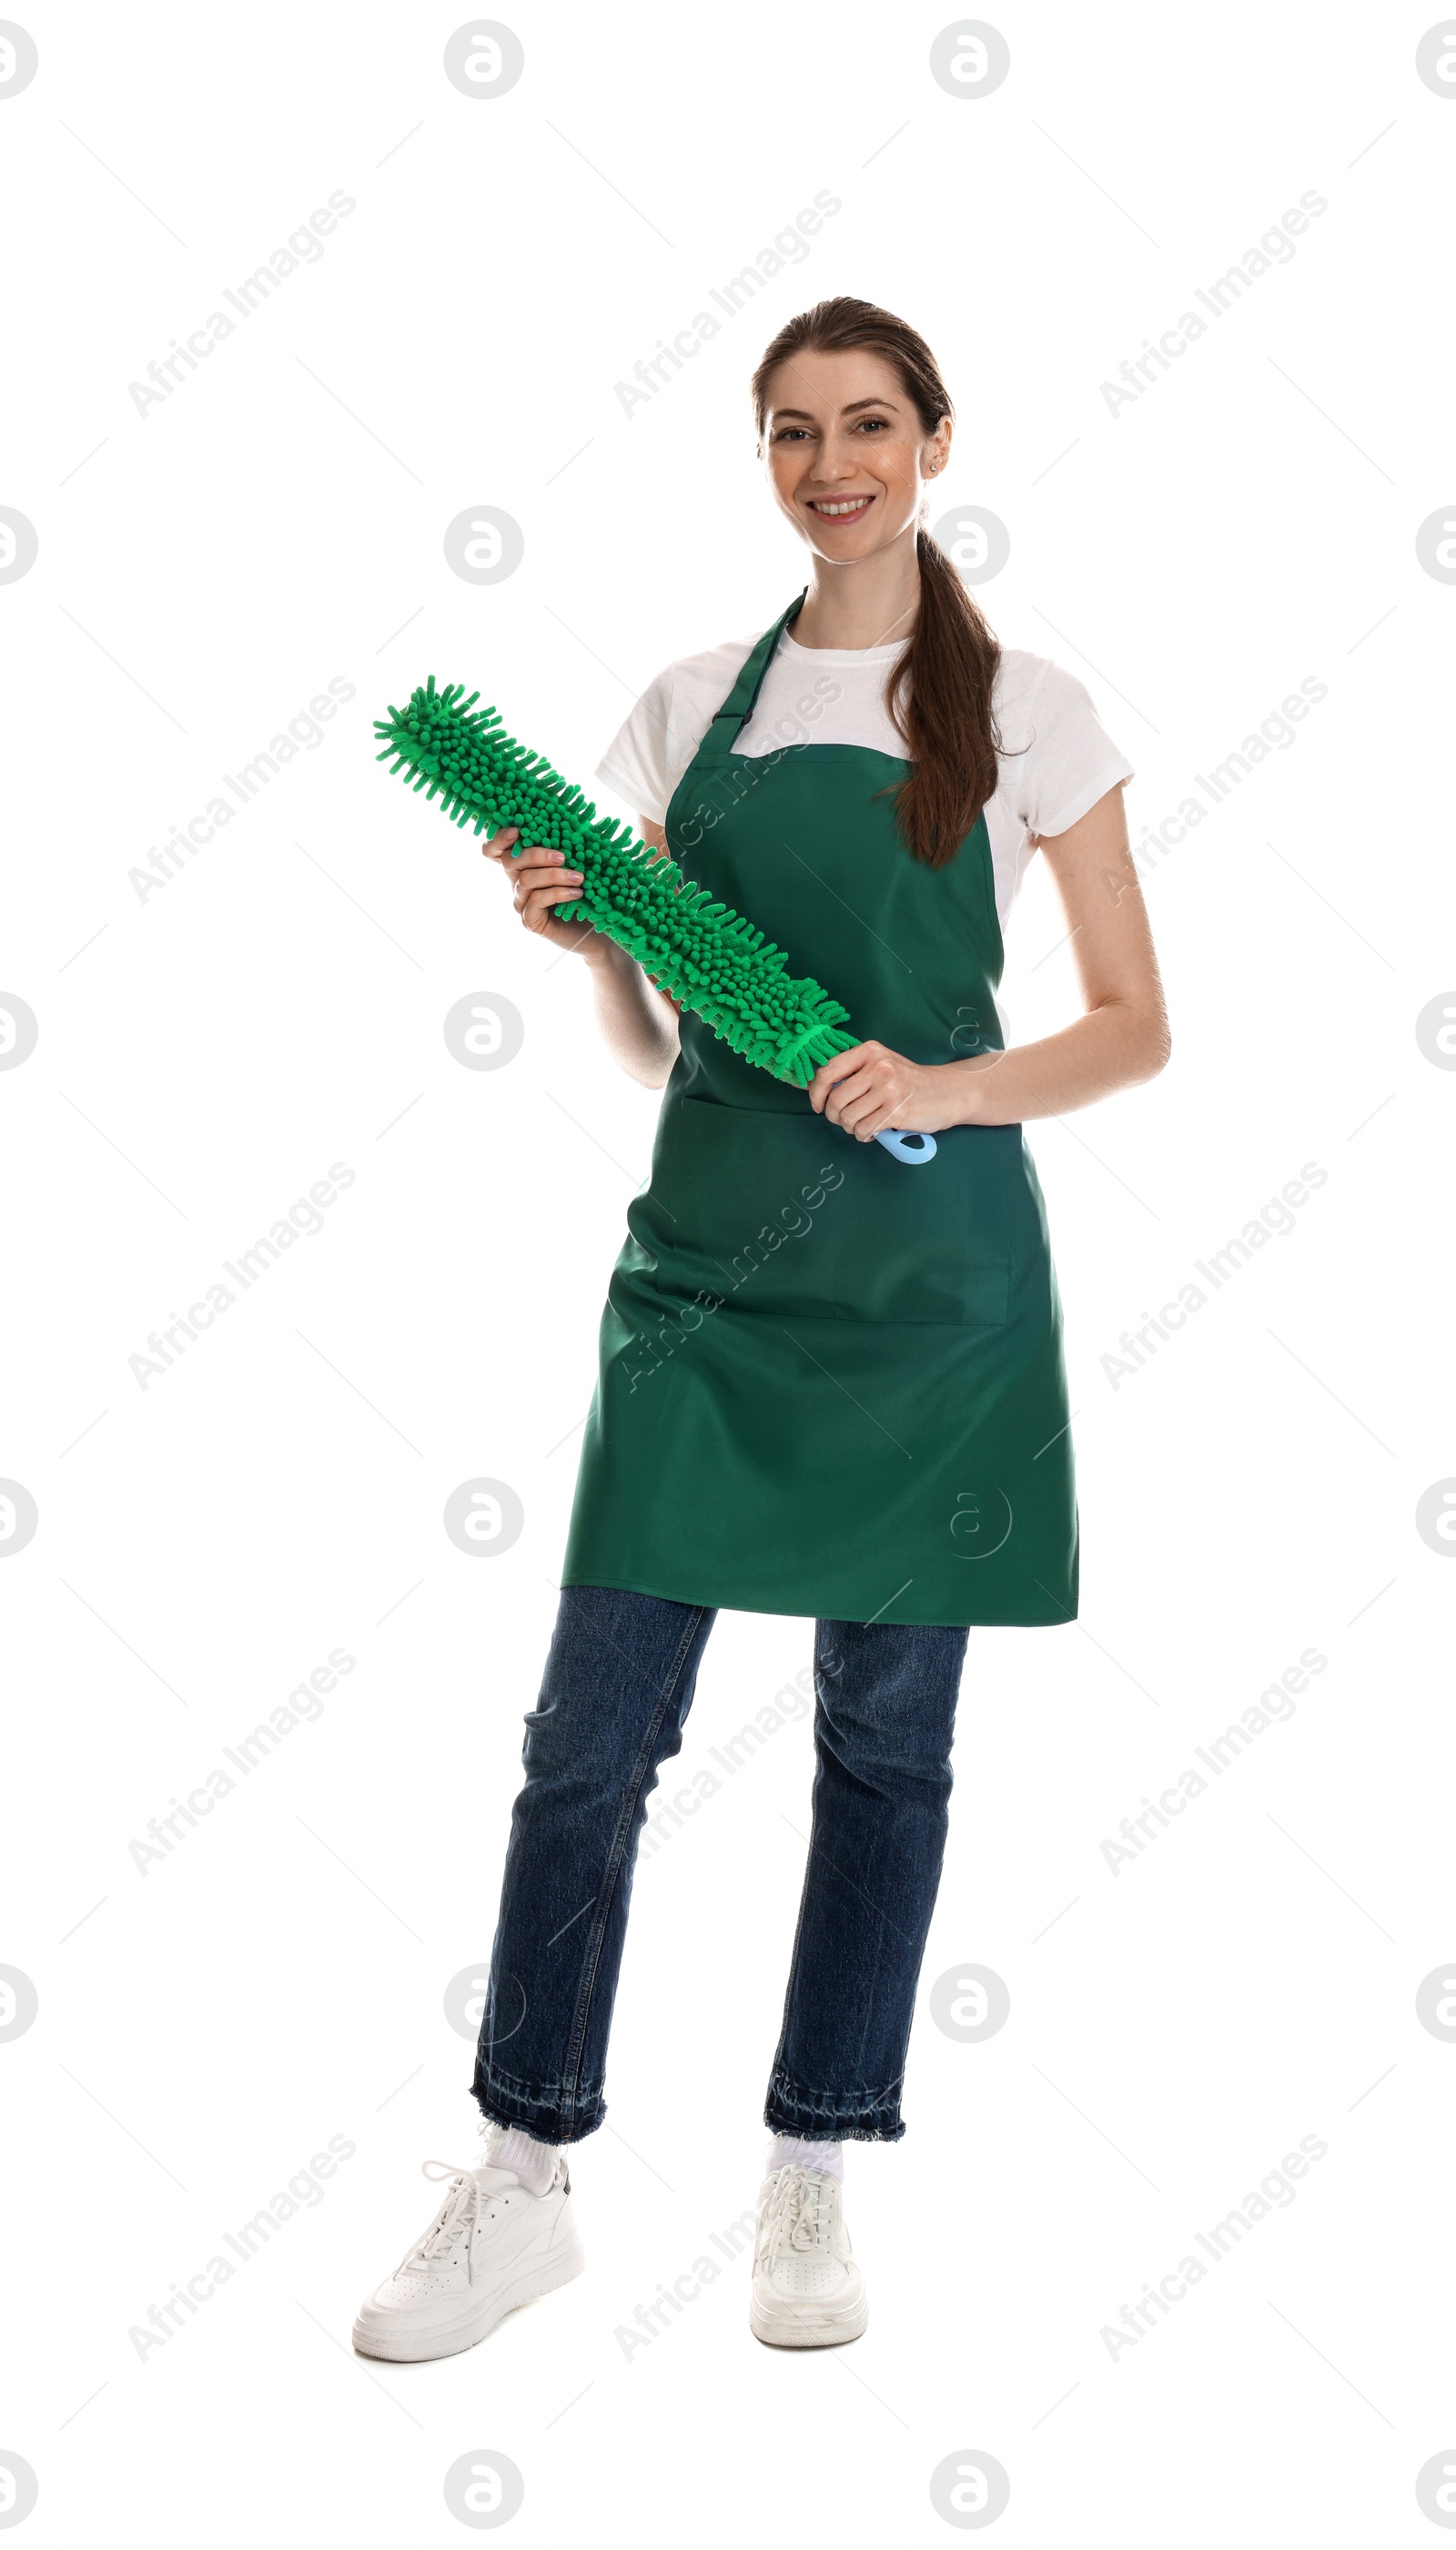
[(492, 2246), (808, 2290)]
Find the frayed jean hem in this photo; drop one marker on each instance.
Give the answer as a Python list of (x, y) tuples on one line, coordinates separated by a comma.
[(825, 2118), (543, 2114)]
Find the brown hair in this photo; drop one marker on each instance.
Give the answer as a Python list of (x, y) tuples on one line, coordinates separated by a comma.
[(939, 693)]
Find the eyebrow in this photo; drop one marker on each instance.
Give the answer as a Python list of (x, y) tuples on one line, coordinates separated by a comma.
[(853, 405)]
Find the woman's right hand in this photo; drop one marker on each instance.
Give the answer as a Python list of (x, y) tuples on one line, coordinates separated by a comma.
[(539, 879)]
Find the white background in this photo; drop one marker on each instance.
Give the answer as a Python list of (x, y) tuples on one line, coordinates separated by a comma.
[(205, 1054)]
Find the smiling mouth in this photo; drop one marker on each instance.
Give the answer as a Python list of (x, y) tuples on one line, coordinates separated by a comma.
[(841, 509)]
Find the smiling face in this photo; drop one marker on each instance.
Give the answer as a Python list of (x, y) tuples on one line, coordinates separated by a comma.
[(846, 453)]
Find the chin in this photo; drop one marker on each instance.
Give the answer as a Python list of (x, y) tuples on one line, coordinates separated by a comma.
[(854, 553)]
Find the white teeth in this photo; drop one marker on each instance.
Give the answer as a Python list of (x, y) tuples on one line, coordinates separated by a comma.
[(856, 504)]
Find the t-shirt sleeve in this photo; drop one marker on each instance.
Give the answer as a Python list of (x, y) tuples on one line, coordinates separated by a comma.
[(637, 763), (1071, 760)]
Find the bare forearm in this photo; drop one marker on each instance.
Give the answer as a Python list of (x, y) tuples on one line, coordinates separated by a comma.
[(639, 1027), (1121, 1037), (1108, 1048)]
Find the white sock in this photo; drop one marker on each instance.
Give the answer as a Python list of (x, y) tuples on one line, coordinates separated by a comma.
[(511, 2147), (785, 2151)]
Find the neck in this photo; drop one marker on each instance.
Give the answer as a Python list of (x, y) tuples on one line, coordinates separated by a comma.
[(867, 602)]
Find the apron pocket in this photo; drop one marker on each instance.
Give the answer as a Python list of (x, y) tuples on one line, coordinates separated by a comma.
[(780, 1213)]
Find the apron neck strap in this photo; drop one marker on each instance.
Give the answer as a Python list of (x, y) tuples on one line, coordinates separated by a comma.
[(741, 700)]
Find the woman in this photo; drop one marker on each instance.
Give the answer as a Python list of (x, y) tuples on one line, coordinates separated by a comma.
[(828, 1385)]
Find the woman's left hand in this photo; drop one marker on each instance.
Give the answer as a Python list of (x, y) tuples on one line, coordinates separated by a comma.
[(869, 1090)]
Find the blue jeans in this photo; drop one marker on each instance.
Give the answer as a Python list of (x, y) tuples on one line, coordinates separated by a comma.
[(615, 1698)]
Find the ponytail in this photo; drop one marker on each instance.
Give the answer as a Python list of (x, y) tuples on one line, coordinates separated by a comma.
[(939, 697)]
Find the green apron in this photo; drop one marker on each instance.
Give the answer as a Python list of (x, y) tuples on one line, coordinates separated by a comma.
[(832, 1384)]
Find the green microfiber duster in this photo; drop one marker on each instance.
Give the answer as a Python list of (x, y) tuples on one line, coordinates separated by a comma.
[(705, 956)]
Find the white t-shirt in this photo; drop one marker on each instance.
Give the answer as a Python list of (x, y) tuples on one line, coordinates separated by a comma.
[(836, 695)]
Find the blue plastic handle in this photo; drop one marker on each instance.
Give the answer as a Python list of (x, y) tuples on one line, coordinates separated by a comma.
[(913, 1151)]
